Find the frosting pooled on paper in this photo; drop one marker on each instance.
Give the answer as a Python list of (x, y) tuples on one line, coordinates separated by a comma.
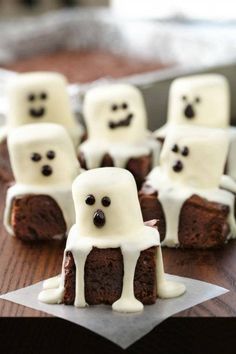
[(108, 215), (41, 97), (43, 161), (191, 162), (116, 120)]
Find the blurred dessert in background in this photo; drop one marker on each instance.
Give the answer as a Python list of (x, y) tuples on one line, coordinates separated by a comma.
[(85, 66)]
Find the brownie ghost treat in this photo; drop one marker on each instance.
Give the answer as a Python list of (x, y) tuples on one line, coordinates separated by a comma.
[(38, 97), (116, 121), (111, 257), (184, 191), (39, 205), (201, 100)]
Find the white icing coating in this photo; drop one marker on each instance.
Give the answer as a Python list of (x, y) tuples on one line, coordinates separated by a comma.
[(201, 173), (42, 141), (41, 97), (123, 228), (107, 106)]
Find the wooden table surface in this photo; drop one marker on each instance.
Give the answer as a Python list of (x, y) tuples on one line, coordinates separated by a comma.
[(22, 264)]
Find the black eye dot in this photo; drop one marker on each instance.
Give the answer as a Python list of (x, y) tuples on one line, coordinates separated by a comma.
[(35, 157), (31, 97), (43, 96), (106, 201), (175, 148), (197, 99), (90, 199), (124, 105), (51, 155), (184, 98), (114, 107), (185, 151)]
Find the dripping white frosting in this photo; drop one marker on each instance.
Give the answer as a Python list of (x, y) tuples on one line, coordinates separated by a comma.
[(106, 111), (131, 237), (121, 153), (172, 196), (53, 289)]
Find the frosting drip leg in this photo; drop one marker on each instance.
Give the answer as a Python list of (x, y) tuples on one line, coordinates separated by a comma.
[(166, 289), (127, 301), (171, 210), (80, 259)]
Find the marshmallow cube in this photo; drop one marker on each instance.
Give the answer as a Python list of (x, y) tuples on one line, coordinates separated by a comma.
[(115, 113), (42, 154), (200, 100)]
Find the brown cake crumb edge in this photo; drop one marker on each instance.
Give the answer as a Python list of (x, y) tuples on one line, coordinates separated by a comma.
[(37, 218), (104, 277), (203, 224)]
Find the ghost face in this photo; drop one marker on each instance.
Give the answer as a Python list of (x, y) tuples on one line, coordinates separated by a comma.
[(183, 151), (195, 158), (106, 203), (199, 100), (46, 169), (115, 113), (41, 158), (37, 104), (190, 109), (39, 97)]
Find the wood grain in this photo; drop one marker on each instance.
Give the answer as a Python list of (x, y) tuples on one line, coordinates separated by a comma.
[(23, 264)]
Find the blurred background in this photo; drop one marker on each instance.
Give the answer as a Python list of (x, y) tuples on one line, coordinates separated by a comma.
[(146, 42)]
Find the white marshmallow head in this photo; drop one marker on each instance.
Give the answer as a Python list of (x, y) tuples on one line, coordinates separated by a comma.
[(195, 157), (42, 154), (200, 100), (115, 113), (39, 97), (106, 203)]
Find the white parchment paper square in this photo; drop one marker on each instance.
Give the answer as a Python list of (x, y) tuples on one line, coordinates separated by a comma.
[(122, 329)]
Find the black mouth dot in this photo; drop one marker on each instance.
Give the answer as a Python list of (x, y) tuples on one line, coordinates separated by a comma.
[(37, 113), (189, 112), (46, 170), (99, 219), (178, 166), (121, 123)]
